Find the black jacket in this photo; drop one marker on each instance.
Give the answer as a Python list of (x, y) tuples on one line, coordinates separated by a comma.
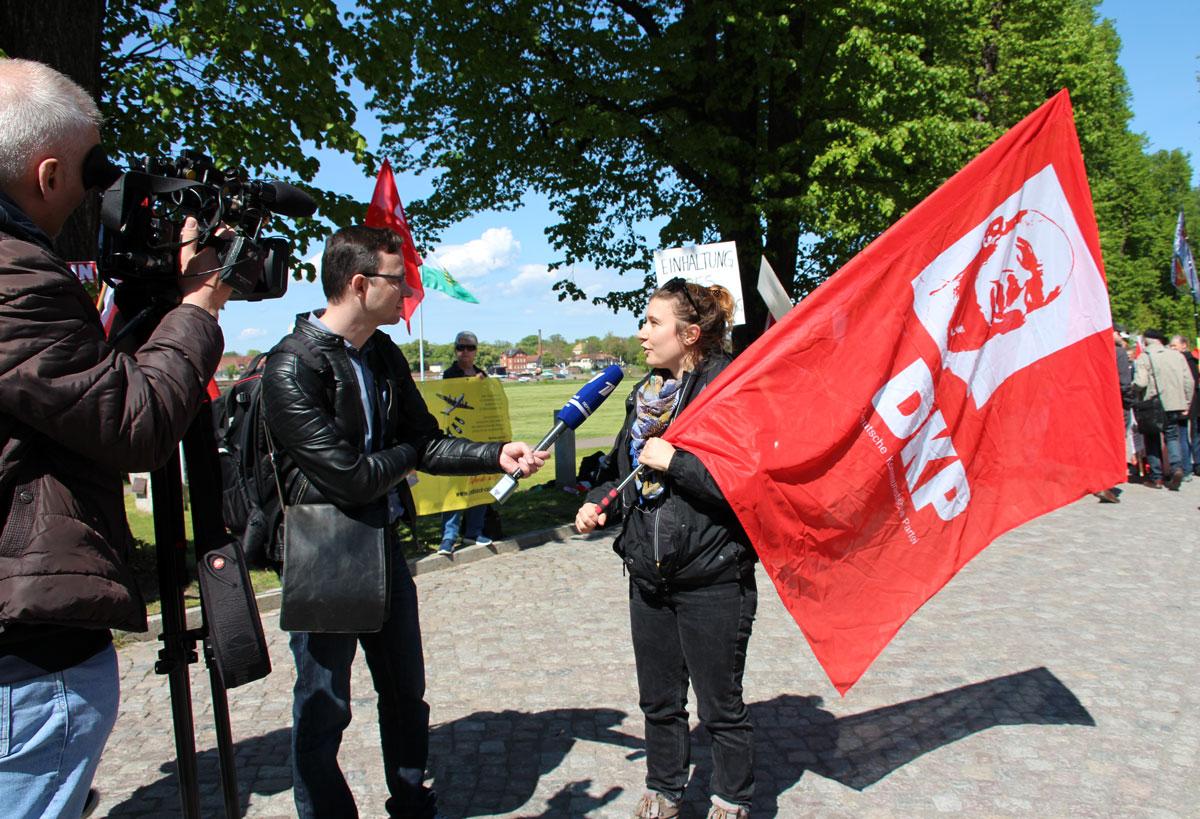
[(1194, 404), (688, 536), (1125, 376), (455, 371), (313, 409)]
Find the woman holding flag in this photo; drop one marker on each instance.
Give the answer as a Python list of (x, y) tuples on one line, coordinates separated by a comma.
[(692, 593)]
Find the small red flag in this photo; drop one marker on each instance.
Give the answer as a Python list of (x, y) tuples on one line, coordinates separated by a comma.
[(953, 381), (385, 211)]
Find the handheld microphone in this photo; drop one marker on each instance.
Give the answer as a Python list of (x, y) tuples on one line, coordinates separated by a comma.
[(577, 409)]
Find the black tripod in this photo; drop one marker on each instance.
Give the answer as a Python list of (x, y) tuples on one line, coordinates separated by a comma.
[(179, 642), (215, 552)]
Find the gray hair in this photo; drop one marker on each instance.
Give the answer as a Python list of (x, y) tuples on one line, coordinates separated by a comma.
[(40, 110)]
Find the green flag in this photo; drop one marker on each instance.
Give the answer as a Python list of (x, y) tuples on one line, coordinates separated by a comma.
[(438, 278)]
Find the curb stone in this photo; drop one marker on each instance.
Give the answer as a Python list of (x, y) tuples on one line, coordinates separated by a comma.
[(269, 600)]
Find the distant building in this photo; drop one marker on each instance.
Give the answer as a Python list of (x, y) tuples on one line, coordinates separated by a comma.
[(518, 362), (594, 361), (231, 367)]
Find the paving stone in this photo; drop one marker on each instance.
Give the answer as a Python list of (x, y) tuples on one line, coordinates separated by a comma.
[(1055, 676)]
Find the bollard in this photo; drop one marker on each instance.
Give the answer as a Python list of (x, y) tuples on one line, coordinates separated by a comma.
[(564, 459)]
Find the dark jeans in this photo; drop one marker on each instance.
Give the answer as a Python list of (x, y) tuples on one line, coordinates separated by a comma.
[(321, 709), (1189, 441), (698, 635), (1175, 429)]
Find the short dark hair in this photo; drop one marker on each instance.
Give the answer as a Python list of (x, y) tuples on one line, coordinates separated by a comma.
[(351, 250), (1157, 335)]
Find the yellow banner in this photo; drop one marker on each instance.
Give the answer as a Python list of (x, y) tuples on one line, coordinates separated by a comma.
[(474, 408)]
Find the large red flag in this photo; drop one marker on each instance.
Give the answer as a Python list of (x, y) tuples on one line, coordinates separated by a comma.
[(953, 381), (385, 211)]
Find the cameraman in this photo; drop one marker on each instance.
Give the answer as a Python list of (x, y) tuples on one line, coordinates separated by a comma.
[(74, 415)]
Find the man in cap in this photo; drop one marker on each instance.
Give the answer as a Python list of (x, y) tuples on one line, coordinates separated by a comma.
[(469, 521)]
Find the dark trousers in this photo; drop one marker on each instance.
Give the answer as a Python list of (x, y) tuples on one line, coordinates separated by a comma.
[(1175, 429), (321, 709), (697, 635)]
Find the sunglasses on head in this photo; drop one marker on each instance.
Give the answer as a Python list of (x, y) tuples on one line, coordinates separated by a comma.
[(462, 347), (680, 285)]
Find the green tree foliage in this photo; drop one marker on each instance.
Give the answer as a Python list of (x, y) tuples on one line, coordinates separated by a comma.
[(258, 85), (1138, 239), (555, 350), (798, 130)]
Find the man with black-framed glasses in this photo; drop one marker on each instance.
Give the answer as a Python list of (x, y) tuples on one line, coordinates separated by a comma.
[(350, 427)]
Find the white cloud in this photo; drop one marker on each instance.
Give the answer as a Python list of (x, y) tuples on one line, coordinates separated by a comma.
[(529, 277), (251, 332), (495, 249)]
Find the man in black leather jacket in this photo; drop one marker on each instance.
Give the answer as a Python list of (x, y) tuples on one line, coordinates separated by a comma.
[(350, 427)]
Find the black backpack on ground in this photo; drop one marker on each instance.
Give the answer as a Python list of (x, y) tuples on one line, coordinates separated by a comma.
[(249, 499)]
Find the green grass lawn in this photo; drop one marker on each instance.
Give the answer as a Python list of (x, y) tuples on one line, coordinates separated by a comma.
[(532, 405)]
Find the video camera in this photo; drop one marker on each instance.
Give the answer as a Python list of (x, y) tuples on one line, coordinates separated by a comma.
[(143, 209)]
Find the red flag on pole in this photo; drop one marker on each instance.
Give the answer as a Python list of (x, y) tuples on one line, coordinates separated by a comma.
[(385, 211), (953, 381)]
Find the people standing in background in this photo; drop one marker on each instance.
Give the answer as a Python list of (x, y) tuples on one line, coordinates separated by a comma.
[(468, 522), (1189, 444), (1125, 380), (1162, 372)]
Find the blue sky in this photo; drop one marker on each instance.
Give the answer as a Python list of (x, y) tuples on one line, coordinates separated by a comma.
[(502, 257)]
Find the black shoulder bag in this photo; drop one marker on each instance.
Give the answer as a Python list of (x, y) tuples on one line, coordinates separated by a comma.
[(336, 567), (1149, 413)]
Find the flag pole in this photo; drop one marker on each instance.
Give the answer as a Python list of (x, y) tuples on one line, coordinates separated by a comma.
[(421, 336), (1195, 319)]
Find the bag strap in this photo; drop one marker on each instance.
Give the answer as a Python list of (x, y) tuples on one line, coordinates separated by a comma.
[(306, 354), (1154, 375), (272, 456)]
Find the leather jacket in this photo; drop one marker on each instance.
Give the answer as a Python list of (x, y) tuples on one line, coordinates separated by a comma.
[(689, 536), (314, 411)]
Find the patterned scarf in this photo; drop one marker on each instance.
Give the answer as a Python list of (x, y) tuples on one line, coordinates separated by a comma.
[(656, 400)]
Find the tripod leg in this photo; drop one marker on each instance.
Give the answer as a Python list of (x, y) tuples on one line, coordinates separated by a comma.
[(178, 645), (229, 786), (208, 529)]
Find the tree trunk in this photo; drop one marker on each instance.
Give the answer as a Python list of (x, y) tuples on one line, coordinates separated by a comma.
[(64, 34), (749, 250)]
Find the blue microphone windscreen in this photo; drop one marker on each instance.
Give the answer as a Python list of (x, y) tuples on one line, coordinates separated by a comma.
[(590, 395)]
